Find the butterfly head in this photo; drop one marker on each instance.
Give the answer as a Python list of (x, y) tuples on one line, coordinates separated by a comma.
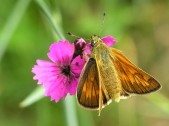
[(94, 40)]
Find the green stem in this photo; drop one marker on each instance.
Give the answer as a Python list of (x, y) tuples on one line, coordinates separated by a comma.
[(12, 24), (70, 111), (70, 108), (36, 95), (46, 11)]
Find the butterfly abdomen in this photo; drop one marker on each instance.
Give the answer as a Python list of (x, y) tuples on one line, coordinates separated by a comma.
[(108, 74)]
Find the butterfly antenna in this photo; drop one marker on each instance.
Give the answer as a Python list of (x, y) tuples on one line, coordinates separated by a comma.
[(102, 23), (69, 33)]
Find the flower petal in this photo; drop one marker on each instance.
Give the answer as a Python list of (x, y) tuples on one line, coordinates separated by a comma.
[(79, 45), (60, 50), (109, 40), (88, 49), (49, 75), (77, 65), (80, 42), (71, 88), (56, 90), (44, 70)]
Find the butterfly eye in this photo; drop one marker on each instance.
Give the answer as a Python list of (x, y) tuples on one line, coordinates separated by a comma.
[(92, 43)]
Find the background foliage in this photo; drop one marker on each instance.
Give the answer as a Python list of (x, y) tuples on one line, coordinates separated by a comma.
[(27, 28)]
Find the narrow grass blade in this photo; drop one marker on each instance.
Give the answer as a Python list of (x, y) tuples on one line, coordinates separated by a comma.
[(11, 24), (36, 95)]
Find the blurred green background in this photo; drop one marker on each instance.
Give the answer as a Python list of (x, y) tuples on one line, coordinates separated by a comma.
[(27, 28)]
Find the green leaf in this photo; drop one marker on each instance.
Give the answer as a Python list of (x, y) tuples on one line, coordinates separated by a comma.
[(36, 95), (12, 24), (70, 111)]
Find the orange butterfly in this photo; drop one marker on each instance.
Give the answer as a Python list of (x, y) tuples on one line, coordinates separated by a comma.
[(108, 75)]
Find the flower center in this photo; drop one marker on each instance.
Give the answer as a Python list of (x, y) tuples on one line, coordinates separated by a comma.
[(66, 70)]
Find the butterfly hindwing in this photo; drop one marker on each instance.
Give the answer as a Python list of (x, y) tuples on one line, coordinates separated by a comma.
[(133, 79)]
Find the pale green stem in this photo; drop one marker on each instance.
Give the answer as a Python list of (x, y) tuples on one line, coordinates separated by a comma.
[(46, 11), (71, 114), (70, 108), (11, 24), (36, 95)]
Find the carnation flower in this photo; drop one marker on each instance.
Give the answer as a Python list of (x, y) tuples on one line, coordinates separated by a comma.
[(60, 75)]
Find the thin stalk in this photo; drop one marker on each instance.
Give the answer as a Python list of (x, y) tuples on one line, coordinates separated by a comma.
[(47, 12), (11, 24), (70, 109), (71, 112)]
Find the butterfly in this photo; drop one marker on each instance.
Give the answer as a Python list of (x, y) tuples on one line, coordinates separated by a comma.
[(109, 75)]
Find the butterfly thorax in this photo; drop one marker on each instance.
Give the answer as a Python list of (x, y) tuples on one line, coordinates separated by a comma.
[(96, 44)]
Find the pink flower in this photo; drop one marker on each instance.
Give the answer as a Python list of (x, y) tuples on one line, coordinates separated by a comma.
[(60, 76), (109, 40)]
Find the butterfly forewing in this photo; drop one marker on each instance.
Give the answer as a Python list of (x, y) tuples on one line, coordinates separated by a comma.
[(88, 86), (133, 79)]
